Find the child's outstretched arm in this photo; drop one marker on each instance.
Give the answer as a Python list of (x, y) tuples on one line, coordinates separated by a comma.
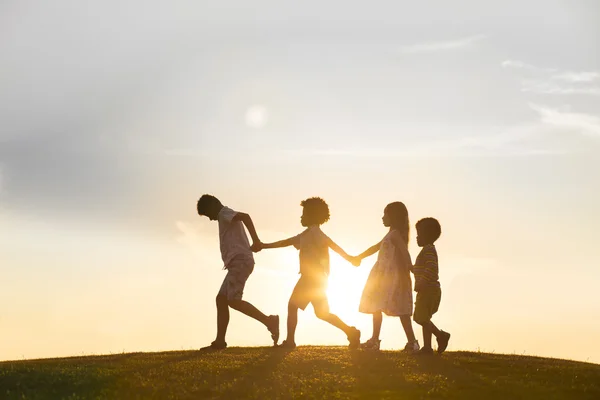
[(370, 251), (245, 218), (333, 246), (281, 243)]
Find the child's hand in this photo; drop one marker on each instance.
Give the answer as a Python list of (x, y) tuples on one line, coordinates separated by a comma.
[(355, 261), (256, 247)]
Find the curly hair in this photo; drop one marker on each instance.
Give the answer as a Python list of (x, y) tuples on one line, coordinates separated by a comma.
[(399, 215), (316, 211), (430, 228)]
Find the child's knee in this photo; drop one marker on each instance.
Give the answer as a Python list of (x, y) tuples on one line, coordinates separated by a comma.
[(322, 312), (420, 319), (292, 307), (221, 300)]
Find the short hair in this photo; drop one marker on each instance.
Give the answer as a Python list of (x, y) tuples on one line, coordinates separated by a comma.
[(316, 210), (430, 228), (205, 202)]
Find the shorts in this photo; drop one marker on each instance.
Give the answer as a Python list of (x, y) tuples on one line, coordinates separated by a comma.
[(427, 304), (233, 285), (311, 290)]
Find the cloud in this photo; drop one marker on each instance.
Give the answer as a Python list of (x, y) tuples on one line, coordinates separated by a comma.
[(585, 76), (555, 82), (585, 124), (430, 47), (551, 87), (516, 64), (550, 134)]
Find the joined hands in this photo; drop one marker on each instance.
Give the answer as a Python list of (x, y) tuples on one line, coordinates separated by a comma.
[(256, 247)]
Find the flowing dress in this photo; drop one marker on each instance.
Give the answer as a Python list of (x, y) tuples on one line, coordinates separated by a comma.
[(389, 286)]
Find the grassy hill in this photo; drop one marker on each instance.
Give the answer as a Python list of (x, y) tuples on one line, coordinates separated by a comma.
[(307, 372)]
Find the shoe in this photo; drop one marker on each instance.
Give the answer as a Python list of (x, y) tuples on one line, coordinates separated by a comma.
[(425, 351), (274, 328), (287, 344), (216, 346), (354, 338), (442, 341), (371, 344), (412, 347)]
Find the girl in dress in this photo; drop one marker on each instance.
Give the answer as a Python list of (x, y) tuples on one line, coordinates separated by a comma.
[(389, 286)]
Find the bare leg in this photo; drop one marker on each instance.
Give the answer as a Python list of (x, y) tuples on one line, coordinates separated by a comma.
[(434, 329), (292, 321), (222, 318), (426, 337), (377, 320), (246, 308), (408, 329), (334, 320)]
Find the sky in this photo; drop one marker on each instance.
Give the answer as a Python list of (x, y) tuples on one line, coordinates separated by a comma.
[(116, 116)]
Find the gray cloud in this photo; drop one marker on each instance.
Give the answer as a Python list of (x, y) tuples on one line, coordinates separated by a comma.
[(442, 45), (554, 81)]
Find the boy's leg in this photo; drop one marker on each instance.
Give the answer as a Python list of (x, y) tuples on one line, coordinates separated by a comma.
[(248, 309), (377, 320), (298, 300), (426, 337), (222, 318), (433, 329), (292, 322), (233, 289), (322, 312)]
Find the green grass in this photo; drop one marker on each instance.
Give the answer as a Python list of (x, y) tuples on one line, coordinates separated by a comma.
[(307, 372)]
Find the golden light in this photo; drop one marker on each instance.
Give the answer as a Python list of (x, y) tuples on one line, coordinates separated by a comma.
[(346, 283)]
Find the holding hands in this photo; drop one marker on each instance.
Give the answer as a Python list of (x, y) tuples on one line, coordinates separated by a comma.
[(355, 260), (257, 246)]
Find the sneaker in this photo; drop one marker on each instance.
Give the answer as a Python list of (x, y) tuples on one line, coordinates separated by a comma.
[(412, 347), (371, 344), (215, 346), (442, 341), (274, 328), (354, 338), (287, 344), (425, 351)]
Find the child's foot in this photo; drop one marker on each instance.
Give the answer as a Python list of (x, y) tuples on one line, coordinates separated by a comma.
[(273, 327), (425, 351), (354, 338), (288, 344), (371, 344), (412, 347), (216, 345), (442, 341)]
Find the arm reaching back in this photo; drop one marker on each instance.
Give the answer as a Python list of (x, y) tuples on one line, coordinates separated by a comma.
[(245, 218)]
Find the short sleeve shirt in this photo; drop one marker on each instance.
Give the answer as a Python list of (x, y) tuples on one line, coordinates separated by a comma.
[(314, 252), (233, 239), (426, 268)]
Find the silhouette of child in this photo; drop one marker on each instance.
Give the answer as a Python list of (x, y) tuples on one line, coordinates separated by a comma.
[(314, 248), (427, 285), (239, 263), (389, 287)]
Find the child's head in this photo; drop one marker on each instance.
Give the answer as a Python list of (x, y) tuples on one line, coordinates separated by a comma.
[(395, 215), (428, 231), (315, 211), (209, 206)]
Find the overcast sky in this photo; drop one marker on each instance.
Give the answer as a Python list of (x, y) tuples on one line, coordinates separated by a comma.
[(116, 116)]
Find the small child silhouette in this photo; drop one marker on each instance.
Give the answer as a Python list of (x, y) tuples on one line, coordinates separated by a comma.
[(314, 248)]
